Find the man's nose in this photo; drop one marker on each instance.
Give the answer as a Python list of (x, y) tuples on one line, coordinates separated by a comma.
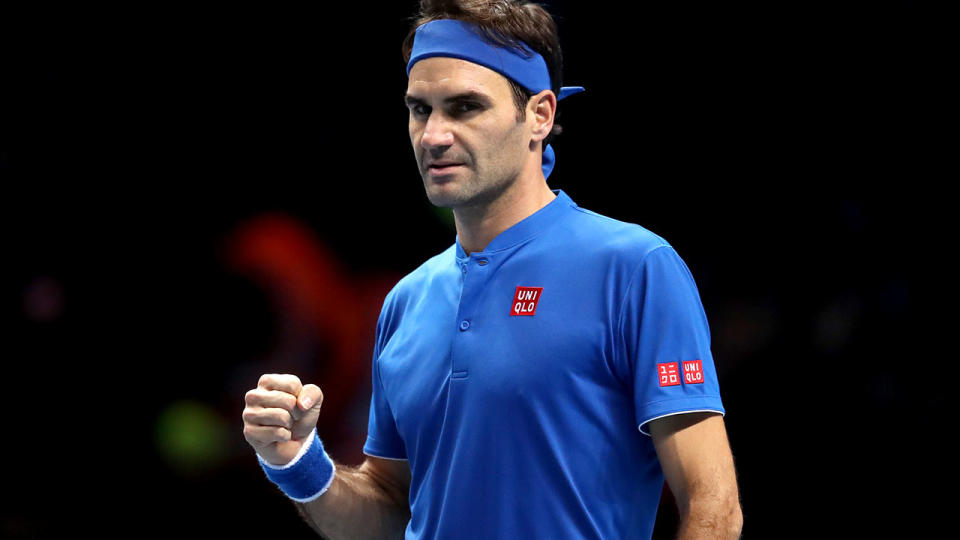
[(436, 134)]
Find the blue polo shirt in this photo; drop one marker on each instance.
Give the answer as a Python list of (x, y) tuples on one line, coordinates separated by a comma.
[(518, 380)]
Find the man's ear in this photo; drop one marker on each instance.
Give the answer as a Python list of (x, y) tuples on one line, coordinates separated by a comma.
[(542, 108)]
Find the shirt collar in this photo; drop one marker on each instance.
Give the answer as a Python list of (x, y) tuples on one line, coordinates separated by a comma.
[(527, 227)]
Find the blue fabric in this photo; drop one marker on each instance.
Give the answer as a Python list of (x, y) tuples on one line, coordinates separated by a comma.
[(519, 427), (459, 39), (306, 479)]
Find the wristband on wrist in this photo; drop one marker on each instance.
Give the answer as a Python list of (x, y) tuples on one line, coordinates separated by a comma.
[(307, 476)]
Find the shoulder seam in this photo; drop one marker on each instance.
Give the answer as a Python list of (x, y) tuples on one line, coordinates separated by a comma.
[(626, 293), (621, 222), (595, 214)]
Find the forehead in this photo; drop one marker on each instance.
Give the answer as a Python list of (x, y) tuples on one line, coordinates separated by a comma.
[(443, 75)]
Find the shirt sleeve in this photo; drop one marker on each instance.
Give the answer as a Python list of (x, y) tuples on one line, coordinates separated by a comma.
[(383, 439), (667, 341)]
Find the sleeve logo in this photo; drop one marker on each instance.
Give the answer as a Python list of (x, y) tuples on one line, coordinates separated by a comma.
[(669, 375), (693, 372), (525, 300)]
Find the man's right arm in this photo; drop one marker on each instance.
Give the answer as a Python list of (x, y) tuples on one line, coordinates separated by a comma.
[(370, 501)]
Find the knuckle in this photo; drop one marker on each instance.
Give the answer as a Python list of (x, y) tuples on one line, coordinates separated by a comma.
[(268, 418)]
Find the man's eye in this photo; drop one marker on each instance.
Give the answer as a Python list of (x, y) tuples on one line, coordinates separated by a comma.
[(420, 110), (467, 107)]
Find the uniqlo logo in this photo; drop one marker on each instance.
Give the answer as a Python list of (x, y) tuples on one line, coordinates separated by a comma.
[(669, 376), (693, 372), (525, 300)]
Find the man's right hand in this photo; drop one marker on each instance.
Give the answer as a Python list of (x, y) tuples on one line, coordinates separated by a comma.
[(280, 416)]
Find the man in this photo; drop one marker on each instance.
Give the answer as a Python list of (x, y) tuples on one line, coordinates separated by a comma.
[(542, 376)]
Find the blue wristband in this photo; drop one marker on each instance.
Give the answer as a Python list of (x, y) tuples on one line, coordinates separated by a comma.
[(307, 476)]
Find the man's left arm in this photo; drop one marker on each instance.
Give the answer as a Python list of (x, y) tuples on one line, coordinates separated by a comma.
[(698, 466)]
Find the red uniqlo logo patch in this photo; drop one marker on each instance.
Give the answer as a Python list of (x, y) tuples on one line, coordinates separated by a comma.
[(669, 376), (693, 372), (525, 300)]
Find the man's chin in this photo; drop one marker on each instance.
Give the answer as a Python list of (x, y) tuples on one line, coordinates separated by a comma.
[(443, 200), (443, 193)]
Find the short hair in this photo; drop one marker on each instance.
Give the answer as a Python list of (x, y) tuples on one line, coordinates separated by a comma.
[(505, 23)]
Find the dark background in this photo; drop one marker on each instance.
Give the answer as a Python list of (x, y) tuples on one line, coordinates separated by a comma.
[(195, 196)]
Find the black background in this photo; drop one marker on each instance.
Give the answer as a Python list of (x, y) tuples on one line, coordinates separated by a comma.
[(787, 152)]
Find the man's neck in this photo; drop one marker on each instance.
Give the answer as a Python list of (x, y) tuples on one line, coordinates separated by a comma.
[(478, 226)]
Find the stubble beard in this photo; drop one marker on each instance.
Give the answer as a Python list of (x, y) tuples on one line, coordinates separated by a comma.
[(469, 191), (473, 190)]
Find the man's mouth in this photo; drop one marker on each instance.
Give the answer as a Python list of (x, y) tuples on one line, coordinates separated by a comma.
[(443, 167)]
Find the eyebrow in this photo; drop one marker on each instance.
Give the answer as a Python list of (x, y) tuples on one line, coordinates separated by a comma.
[(456, 98)]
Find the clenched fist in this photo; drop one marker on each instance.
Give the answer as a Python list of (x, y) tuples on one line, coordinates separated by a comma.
[(280, 416)]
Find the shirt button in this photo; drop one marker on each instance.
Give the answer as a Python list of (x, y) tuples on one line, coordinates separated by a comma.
[(482, 262), (464, 325)]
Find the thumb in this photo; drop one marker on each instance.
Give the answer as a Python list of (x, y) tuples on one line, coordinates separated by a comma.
[(307, 411)]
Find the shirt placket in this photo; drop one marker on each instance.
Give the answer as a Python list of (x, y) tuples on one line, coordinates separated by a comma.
[(476, 271)]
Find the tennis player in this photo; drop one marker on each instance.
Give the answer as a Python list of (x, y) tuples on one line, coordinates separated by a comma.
[(541, 377)]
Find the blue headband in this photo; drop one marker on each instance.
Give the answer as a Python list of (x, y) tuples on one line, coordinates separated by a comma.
[(459, 39)]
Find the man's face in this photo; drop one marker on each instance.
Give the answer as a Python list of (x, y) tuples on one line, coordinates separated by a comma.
[(463, 125)]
